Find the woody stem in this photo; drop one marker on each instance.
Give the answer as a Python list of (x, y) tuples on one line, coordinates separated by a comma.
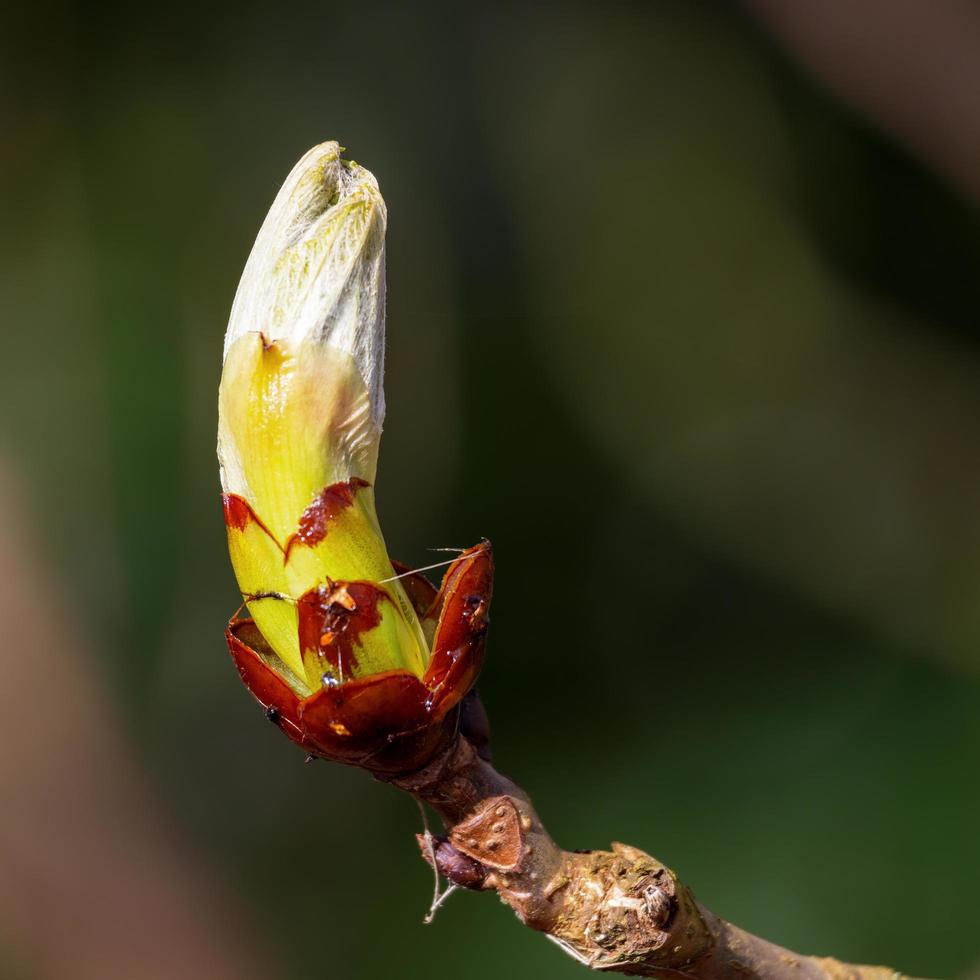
[(618, 910)]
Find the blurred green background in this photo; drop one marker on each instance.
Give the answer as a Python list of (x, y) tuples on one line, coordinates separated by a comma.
[(690, 339)]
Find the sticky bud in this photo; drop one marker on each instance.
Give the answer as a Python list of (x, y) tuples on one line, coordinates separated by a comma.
[(301, 408)]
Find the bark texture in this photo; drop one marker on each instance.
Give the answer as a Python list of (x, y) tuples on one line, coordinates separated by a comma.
[(619, 910)]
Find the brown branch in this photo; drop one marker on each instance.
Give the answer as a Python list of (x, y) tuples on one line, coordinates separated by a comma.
[(618, 910)]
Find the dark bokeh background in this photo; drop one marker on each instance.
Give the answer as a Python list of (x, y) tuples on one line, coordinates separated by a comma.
[(693, 341)]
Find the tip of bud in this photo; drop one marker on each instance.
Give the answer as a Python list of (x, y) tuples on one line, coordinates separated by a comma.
[(316, 272)]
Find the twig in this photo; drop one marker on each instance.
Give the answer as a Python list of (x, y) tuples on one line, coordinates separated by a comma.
[(618, 910)]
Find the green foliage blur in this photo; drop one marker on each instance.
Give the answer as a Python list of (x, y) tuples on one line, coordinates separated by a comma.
[(694, 345)]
